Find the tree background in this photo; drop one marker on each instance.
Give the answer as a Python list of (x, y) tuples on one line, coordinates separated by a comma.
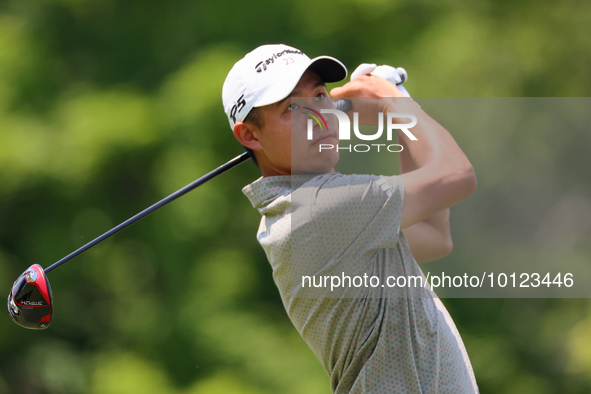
[(108, 106)]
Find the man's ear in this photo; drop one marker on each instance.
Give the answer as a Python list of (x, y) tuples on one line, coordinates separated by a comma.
[(246, 134)]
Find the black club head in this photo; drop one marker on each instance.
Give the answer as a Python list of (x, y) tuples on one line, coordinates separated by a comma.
[(30, 302)]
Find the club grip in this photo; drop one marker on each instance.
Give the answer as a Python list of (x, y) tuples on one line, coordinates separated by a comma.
[(343, 105)]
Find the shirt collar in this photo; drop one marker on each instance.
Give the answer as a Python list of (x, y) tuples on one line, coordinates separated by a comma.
[(266, 189)]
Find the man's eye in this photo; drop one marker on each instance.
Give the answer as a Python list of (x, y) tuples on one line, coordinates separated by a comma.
[(320, 96), (292, 107)]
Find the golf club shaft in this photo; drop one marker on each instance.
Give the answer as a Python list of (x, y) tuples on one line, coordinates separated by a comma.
[(220, 170)]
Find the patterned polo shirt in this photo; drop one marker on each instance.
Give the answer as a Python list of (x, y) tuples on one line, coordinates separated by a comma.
[(369, 337)]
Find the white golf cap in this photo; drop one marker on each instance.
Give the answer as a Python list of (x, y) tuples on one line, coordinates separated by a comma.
[(268, 75)]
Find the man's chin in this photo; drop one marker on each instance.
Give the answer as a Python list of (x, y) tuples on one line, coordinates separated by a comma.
[(315, 163), (312, 172), (314, 169)]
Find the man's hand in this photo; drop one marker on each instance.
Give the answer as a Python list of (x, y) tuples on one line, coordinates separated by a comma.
[(369, 95), (367, 85)]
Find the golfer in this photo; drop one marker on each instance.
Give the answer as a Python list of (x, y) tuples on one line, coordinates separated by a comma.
[(320, 223)]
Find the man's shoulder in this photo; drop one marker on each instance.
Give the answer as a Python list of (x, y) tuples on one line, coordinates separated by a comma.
[(349, 194), (353, 183), (336, 179), (266, 189)]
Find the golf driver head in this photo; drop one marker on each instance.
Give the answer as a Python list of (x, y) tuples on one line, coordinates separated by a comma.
[(30, 302)]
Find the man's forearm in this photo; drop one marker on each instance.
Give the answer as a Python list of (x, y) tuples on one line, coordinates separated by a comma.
[(430, 239), (407, 164), (441, 219)]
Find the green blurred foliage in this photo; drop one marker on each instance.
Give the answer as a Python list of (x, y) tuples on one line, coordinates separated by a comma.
[(107, 106)]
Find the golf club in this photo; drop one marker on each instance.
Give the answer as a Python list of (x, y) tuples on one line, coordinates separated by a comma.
[(30, 301)]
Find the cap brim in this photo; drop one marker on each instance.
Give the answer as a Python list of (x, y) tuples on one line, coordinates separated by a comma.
[(328, 69)]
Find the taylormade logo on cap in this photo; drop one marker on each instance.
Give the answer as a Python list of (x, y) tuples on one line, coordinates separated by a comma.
[(268, 75), (262, 66)]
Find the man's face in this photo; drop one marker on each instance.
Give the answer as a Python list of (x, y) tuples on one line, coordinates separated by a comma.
[(283, 136)]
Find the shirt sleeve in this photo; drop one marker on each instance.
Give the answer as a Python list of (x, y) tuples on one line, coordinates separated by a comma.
[(358, 211)]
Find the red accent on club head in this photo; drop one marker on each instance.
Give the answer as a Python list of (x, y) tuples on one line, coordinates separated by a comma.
[(41, 282)]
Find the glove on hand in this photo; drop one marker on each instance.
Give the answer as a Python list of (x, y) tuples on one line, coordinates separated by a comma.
[(395, 75)]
